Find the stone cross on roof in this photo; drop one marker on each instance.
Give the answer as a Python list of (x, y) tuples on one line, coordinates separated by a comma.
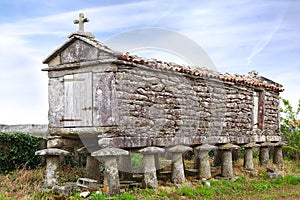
[(81, 22)]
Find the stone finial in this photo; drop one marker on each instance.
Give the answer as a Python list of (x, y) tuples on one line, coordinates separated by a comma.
[(81, 31), (253, 73), (81, 22)]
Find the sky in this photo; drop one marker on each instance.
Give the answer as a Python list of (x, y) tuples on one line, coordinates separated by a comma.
[(237, 35)]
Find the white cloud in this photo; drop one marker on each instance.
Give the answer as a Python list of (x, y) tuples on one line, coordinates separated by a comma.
[(237, 35)]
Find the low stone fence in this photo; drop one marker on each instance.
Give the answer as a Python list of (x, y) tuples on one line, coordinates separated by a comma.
[(32, 129)]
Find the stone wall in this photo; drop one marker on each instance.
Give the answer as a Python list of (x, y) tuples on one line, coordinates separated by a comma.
[(33, 129), (161, 104)]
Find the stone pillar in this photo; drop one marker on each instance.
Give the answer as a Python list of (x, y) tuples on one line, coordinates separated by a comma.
[(203, 160), (196, 159), (149, 169), (111, 175), (125, 167), (52, 164), (177, 162), (92, 164), (218, 157), (264, 158), (226, 166), (278, 156), (248, 156)]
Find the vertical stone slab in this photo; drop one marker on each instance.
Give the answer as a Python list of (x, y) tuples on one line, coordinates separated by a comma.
[(92, 168), (105, 108), (149, 169), (92, 164), (177, 162), (218, 157)]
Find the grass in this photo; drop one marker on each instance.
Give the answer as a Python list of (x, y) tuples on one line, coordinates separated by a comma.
[(27, 184)]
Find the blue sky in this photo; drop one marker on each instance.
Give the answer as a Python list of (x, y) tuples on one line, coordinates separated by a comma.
[(239, 36)]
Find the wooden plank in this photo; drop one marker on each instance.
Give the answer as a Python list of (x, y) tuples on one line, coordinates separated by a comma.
[(78, 98), (56, 101), (255, 109), (83, 99), (105, 100), (261, 109), (68, 101)]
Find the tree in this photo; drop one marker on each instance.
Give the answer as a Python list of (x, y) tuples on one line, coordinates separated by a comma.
[(290, 127)]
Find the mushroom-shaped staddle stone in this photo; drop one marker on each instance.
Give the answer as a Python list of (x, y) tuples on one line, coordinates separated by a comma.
[(179, 149), (250, 145), (151, 150), (267, 144), (51, 152), (110, 151), (205, 147), (229, 146), (177, 162)]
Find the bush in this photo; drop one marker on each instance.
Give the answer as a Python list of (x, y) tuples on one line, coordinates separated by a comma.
[(17, 151), (290, 127)]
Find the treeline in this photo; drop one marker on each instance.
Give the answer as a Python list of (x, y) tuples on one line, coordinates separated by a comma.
[(290, 127)]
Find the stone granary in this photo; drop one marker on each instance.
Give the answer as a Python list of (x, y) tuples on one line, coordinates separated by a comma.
[(112, 103)]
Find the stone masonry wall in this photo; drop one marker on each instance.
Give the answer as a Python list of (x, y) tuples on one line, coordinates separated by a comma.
[(33, 129), (156, 103)]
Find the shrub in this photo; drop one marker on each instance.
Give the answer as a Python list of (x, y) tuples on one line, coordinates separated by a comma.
[(17, 151), (290, 127)]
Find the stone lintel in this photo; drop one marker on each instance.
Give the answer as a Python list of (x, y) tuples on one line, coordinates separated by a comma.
[(206, 147), (51, 152), (179, 149), (251, 145), (110, 151), (229, 146), (151, 150)]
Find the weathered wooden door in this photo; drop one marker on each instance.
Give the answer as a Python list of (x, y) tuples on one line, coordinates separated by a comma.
[(78, 100)]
